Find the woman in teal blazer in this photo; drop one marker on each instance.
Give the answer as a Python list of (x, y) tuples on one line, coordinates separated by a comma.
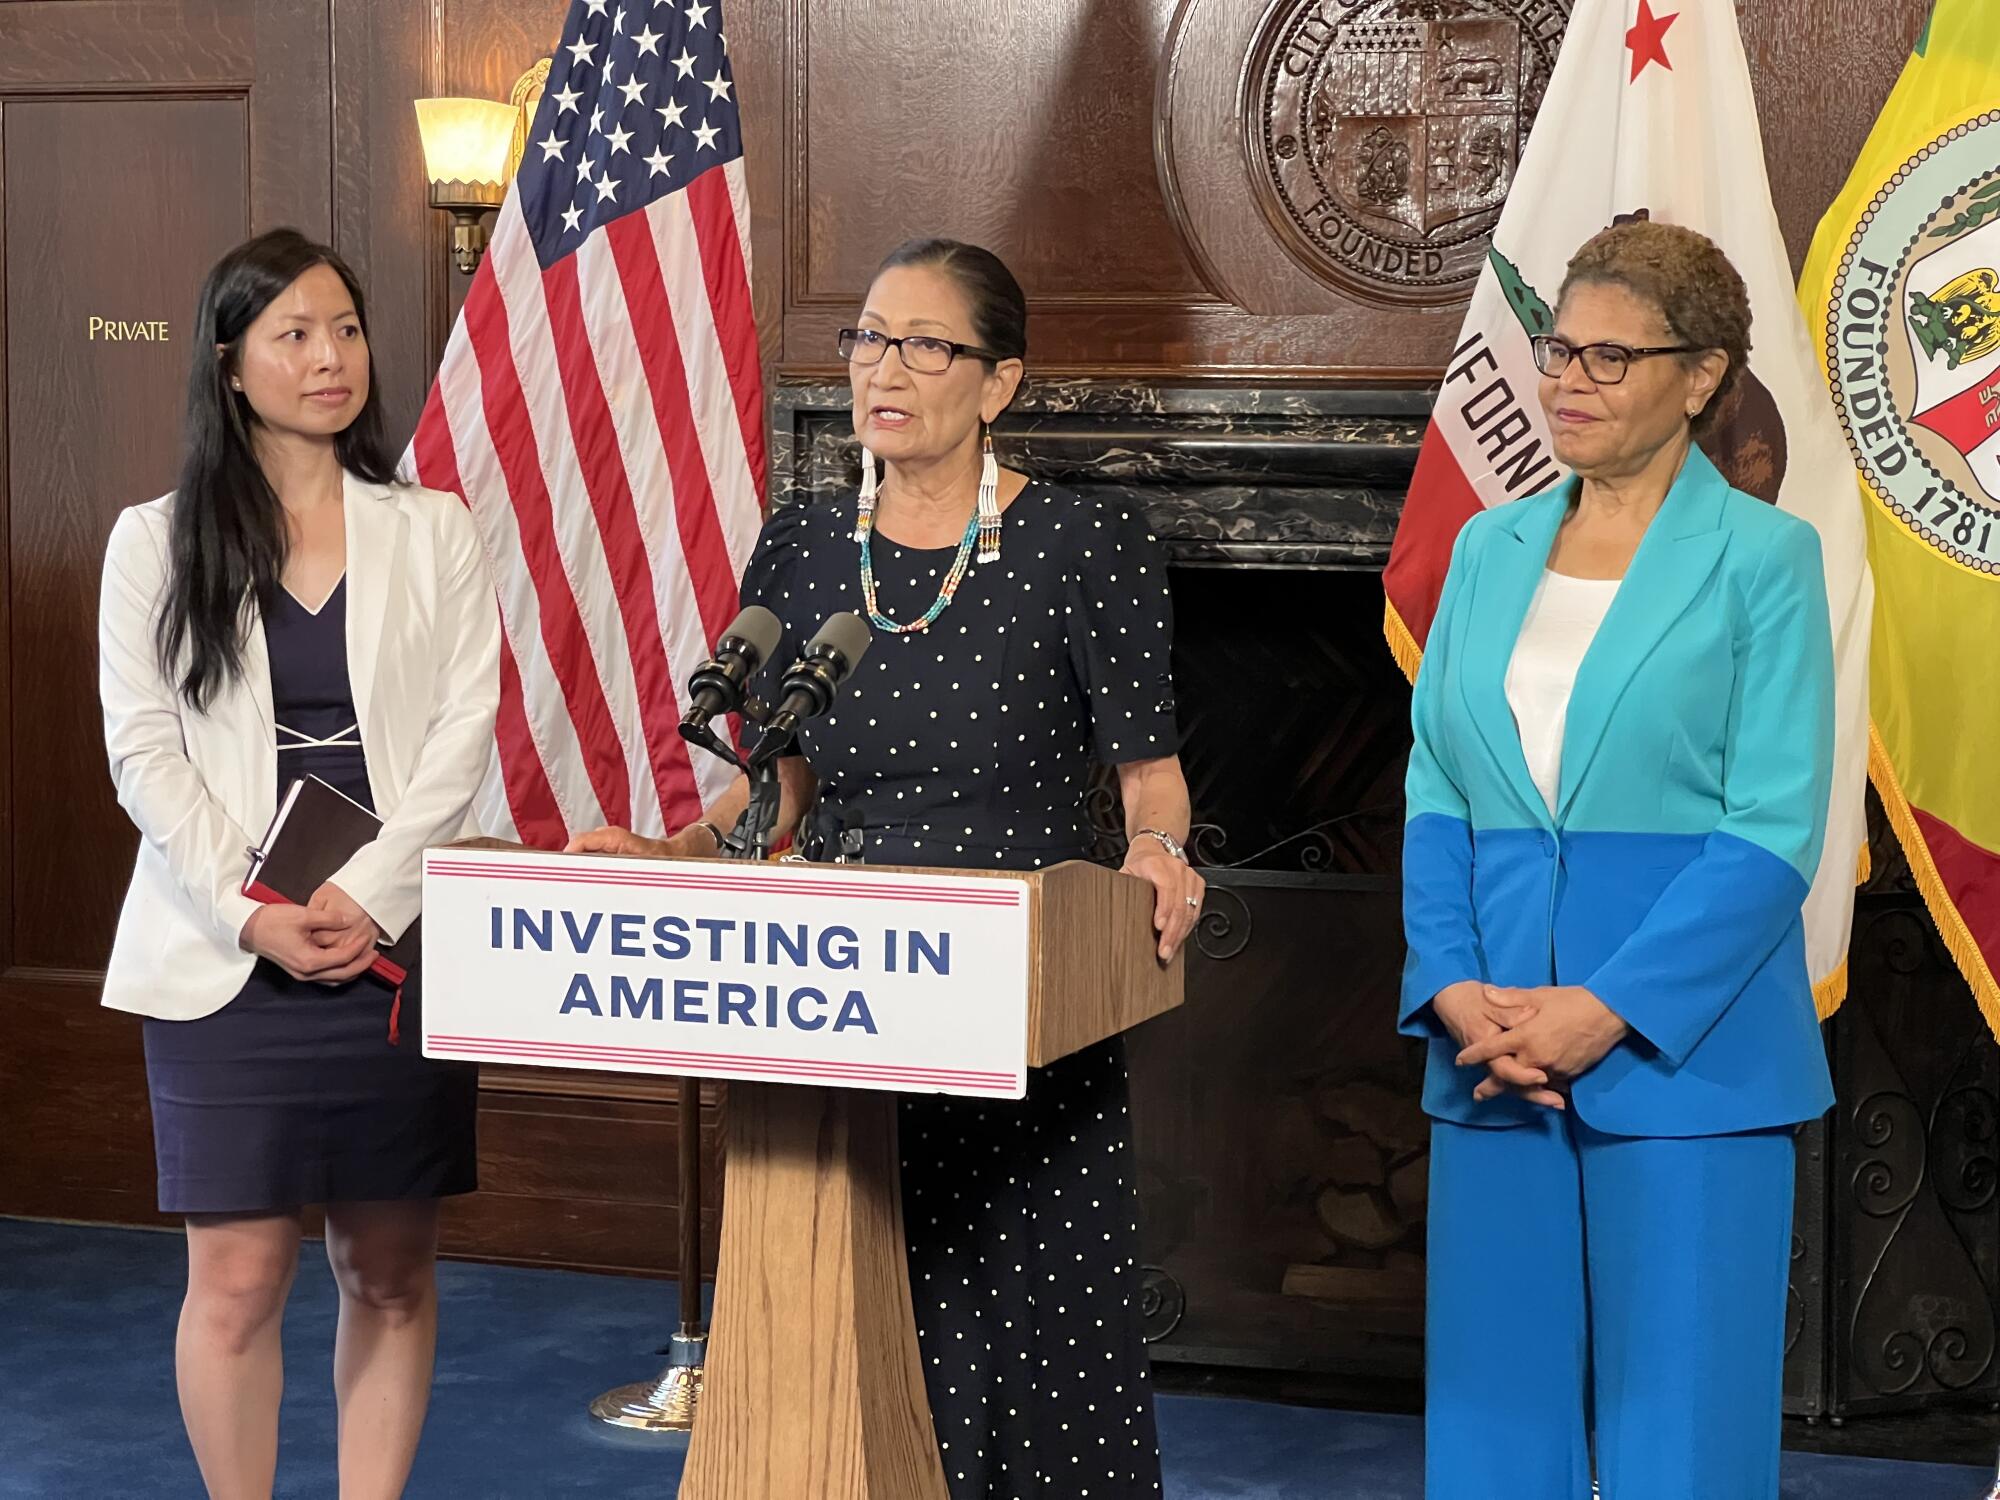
[(1617, 796)]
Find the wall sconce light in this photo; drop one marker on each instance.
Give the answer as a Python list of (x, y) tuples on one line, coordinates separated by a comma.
[(466, 147)]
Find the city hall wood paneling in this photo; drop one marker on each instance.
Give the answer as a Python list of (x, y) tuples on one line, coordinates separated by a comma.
[(136, 144), (138, 140), (127, 164)]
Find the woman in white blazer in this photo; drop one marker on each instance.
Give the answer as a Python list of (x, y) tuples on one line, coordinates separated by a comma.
[(291, 611)]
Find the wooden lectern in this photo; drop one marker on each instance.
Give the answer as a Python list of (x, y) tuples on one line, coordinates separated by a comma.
[(814, 1388)]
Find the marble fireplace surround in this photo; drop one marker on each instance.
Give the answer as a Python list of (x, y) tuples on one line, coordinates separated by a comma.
[(1279, 1144), (1251, 476)]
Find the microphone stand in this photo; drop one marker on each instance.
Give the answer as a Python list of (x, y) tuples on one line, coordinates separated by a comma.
[(671, 1403), (757, 827)]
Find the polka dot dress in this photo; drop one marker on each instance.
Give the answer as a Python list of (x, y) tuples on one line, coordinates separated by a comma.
[(970, 744)]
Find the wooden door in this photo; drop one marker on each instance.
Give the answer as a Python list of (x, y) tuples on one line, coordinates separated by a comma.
[(137, 143)]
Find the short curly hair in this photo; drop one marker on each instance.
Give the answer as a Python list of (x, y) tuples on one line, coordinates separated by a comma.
[(1686, 276)]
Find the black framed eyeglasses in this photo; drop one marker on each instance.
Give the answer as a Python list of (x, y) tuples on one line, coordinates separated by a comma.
[(920, 352), (1605, 364)]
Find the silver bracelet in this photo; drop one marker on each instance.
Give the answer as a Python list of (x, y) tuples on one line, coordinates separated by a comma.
[(713, 832), (1167, 841)]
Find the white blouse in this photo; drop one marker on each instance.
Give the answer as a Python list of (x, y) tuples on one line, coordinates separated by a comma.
[(1562, 620)]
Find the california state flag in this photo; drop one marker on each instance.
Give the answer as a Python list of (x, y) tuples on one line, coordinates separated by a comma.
[(1650, 111)]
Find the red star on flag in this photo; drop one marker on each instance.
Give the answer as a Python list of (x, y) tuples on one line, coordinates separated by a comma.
[(1648, 39)]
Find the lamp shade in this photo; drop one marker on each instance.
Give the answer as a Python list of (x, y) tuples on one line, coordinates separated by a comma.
[(466, 144)]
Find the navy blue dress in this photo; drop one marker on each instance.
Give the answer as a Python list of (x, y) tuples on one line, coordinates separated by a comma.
[(291, 1094), (971, 744)]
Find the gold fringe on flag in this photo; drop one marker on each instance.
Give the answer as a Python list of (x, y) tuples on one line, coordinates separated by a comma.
[(1958, 939), (1402, 645)]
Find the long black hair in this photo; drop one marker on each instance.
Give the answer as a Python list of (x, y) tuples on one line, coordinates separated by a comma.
[(227, 537)]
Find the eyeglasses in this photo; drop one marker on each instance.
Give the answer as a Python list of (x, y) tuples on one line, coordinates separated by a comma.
[(920, 353), (1605, 364)]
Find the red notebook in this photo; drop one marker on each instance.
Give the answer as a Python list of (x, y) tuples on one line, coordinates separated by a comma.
[(317, 830)]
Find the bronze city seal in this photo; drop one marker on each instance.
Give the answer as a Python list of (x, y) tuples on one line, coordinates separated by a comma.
[(1382, 135)]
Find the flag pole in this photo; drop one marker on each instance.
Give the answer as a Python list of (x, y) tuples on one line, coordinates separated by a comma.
[(670, 1403)]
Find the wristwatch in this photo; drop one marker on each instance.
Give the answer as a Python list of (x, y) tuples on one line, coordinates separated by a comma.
[(1168, 842)]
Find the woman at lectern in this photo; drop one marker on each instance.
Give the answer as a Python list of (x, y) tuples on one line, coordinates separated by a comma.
[(1022, 632), (1617, 798), (291, 611)]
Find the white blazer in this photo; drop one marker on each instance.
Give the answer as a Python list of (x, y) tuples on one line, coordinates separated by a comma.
[(423, 658)]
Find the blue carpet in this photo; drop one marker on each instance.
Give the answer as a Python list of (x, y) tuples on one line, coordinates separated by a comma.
[(87, 1325)]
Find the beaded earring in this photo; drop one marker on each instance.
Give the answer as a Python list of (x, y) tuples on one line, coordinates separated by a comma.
[(864, 514), (989, 504)]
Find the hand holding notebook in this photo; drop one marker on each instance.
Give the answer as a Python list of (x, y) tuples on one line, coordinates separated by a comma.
[(317, 830)]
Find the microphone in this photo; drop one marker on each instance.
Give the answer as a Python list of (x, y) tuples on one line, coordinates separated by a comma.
[(810, 682), (718, 683)]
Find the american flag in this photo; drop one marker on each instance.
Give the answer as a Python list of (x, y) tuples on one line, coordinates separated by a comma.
[(600, 408)]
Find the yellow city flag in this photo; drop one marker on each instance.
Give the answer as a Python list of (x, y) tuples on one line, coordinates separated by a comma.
[(1902, 292)]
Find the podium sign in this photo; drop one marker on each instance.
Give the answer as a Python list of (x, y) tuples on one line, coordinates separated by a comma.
[(856, 981), (772, 973)]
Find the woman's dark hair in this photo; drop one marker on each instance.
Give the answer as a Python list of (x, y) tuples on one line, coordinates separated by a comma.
[(999, 309), (227, 537), (1687, 277)]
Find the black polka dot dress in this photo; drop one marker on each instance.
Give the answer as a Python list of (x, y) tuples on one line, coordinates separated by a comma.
[(970, 744)]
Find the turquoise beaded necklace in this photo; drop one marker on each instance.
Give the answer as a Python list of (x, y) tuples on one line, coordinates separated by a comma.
[(943, 601)]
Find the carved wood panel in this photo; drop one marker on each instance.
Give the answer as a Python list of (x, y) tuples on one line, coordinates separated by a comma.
[(567, 1177), (1030, 126), (1037, 128), (1040, 108), (126, 165), (1019, 126), (97, 332), (390, 55), (136, 144)]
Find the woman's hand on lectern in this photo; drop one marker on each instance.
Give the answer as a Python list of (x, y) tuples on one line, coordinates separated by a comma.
[(1177, 891), (624, 841)]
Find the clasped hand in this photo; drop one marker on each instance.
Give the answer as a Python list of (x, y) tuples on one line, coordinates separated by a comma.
[(1532, 1042), (330, 940)]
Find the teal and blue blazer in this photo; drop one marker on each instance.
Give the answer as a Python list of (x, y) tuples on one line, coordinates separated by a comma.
[(1669, 881)]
